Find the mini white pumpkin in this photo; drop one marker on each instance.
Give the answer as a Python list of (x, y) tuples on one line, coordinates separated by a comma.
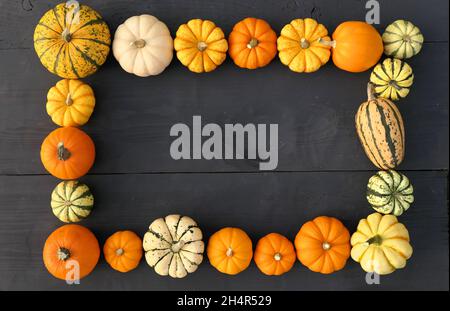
[(173, 246), (143, 46)]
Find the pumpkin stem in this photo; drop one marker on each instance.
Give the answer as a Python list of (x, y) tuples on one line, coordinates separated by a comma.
[(177, 246), (394, 84), (63, 254), (119, 251), (277, 257), (201, 46), (328, 43), (326, 246), (304, 43), (252, 43), (371, 95), (139, 43), (63, 153), (375, 240), (66, 35), (69, 100), (229, 252)]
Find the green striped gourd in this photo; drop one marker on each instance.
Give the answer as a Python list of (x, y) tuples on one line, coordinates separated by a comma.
[(72, 201), (390, 192), (380, 129), (72, 42), (402, 40)]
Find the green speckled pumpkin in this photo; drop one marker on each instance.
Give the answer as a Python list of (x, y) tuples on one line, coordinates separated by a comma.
[(390, 192), (72, 42), (72, 201)]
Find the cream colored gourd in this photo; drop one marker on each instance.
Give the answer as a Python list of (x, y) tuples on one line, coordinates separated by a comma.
[(173, 246), (143, 46)]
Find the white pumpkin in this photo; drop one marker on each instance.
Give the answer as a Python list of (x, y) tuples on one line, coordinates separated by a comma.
[(143, 46), (173, 246)]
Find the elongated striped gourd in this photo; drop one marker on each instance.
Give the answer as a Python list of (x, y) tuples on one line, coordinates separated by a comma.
[(390, 192), (72, 42), (173, 246), (72, 201), (380, 128)]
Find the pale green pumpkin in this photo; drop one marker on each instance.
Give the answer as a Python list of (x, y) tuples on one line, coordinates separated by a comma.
[(72, 201)]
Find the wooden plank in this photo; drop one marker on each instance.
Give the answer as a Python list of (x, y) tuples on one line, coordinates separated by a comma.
[(258, 203), (133, 117), (431, 15)]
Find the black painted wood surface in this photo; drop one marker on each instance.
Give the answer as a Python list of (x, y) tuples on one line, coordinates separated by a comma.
[(322, 169)]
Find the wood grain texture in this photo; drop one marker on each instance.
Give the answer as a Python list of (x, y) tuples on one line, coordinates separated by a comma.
[(258, 203)]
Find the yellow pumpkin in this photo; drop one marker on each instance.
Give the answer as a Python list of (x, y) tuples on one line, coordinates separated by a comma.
[(299, 46), (72, 40), (70, 103), (381, 244), (201, 45)]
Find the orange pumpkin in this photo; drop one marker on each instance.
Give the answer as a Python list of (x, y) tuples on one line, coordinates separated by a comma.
[(323, 245), (230, 250), (71, 252), (274, 254), (356, 46), (123, 251), (68, 153), (252, 43)]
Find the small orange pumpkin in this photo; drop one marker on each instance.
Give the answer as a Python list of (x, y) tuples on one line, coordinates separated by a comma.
[(252, 43), (123, 251), (230, 250), (274, 254), (68, 153), (68, 248), (356, 46), (323, 245)]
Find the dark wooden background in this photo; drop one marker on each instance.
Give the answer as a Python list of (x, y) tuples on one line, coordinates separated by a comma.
[(322, 169)]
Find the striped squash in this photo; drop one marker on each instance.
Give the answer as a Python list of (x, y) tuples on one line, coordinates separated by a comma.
[(392, 79), (72, 42), (72, 201), (402, 40), (380, 128), (173, 246), (390, 192)]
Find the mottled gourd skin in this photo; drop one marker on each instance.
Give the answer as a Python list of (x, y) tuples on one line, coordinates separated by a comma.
[(392, 79), (174, 246), (402, 40), (71, 45), (380, 129), (201, 45), (299, 45), (390, 192), (72, 201), (381, 244)]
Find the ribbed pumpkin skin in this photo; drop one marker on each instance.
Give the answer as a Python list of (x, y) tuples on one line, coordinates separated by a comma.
[(299, 47), (72, 48), (323, 245), (82, 247), (77, 157), (274, 254), (253, 43), (230, 250), (380, 128), (402, 40), (70, 103), (392, 79), (72, 201), (201, 45), (390, 192), (123, 251), (174, 246)]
